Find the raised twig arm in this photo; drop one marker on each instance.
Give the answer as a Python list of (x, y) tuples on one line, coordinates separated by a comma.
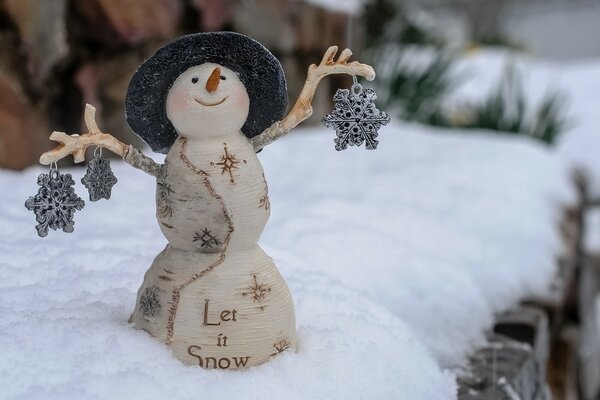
[(77, 144), (303, 109)]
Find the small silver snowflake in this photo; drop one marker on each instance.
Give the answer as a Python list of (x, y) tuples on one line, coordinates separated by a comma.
[(355, 118), (55, 203), (99, 179)]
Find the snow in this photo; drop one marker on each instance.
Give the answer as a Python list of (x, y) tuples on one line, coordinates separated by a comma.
[(578, 81), (430, 216), (396, 259), (352, 7)]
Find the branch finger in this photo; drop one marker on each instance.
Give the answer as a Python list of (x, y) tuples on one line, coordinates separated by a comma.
[(328, 56), (77, 144), (90, 119), (344, 56)]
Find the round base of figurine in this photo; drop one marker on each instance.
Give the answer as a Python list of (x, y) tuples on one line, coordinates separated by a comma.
[(217, 310)]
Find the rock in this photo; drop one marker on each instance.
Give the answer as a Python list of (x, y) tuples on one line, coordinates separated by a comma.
[(43, 33), (504, 369), (214, 14), (527, 324), (127, 22), (589, 330), (23, 133), (103, 83), (556, 302), (562, 369)]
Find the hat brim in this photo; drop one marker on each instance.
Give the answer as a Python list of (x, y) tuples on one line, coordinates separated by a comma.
[(259, 71)]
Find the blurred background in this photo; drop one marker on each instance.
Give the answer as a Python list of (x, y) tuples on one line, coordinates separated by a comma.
[(58, 55)]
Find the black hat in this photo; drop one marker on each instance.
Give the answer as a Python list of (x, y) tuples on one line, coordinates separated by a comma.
[(259, 71)]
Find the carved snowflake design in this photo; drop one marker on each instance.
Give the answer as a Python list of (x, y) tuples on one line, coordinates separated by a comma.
[(355, 118), (207, 240), (281, 346), (257, 291), (99, 179), (55, 203), (228, 163), (149, 303), (163, 191), (264, 201)]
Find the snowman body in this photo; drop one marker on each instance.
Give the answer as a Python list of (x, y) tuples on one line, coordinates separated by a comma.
[(212, 294)]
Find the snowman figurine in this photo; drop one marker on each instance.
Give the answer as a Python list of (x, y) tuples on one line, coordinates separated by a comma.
[(211, 101)]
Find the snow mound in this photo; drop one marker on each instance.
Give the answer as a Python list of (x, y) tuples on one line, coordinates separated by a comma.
[(577, 82), (444, 229), (64, 336), (396, 259), (352, 7)]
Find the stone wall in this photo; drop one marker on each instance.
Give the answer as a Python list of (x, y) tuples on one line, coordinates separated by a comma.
[(548, 347)]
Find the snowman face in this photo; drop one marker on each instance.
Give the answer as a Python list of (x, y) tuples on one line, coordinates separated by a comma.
[(207, 100)]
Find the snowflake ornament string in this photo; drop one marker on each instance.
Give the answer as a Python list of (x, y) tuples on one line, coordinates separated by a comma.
[(55, 202), (99, 178), (355, 118)]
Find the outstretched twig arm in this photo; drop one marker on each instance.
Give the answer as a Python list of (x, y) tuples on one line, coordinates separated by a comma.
[(139, 160), (303, 109), (77, 144)]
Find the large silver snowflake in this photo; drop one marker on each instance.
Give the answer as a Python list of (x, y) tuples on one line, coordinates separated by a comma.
[(99, 179), (355, 118), (55, 203)]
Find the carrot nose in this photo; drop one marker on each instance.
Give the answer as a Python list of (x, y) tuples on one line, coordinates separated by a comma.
[(213, 80)]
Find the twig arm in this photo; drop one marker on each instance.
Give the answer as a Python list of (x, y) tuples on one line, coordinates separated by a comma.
[(303, 108), (77, 144)]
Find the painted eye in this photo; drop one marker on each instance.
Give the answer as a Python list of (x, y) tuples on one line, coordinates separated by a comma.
[(223, 78), (195, 79)]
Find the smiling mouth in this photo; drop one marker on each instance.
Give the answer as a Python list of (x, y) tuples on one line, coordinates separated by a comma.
[(212, 104)]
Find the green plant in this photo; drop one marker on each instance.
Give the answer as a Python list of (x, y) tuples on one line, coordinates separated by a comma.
[(416, 76), (549, 122), (387, 21), (507, 110), (415, 90)]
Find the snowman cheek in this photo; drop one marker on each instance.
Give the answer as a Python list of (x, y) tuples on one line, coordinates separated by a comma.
[(178, 101), (240, 99)]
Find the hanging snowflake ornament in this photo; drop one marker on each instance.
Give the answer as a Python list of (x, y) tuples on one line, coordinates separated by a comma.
[(55, 202), (99, 178), (355, 118)]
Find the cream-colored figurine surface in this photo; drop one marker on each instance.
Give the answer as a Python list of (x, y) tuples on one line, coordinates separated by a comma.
[(211, 101)]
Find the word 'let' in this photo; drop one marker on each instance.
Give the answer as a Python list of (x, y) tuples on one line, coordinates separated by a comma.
[(225, 316)]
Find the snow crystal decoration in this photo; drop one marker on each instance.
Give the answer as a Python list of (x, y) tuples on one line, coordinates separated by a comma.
[(99, 178), (149, 303), (55, 203), (207, 240), (355, 118)]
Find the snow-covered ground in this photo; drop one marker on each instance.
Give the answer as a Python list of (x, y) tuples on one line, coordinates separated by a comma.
[(397, 260), (579, 83)]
